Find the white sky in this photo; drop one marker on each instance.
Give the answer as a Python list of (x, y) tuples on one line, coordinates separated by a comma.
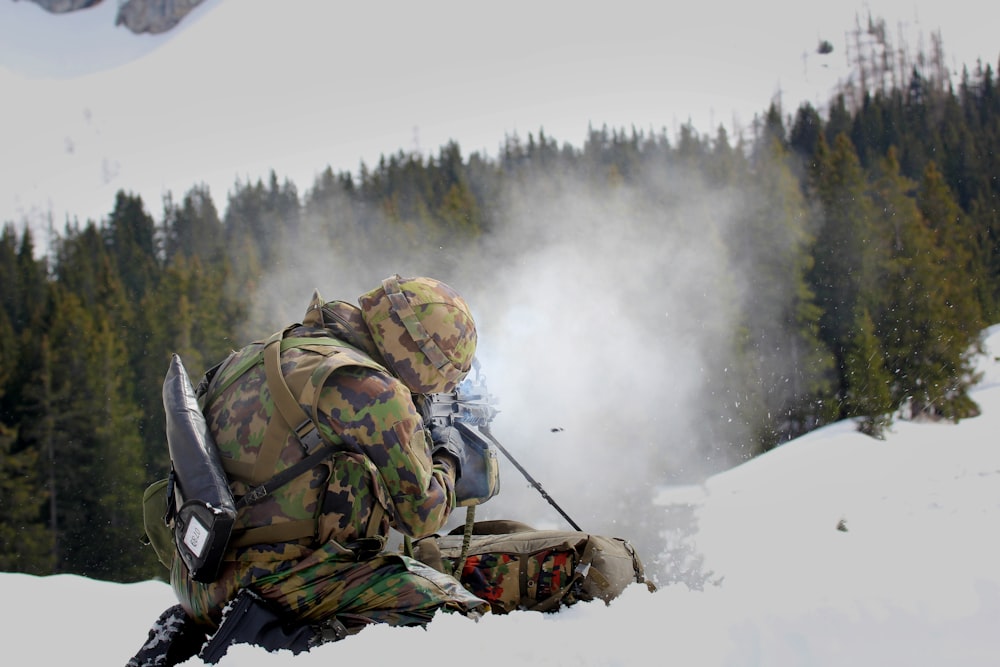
[(243, 87), (913, 581)]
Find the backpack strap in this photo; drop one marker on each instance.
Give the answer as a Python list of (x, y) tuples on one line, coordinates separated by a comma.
[(290, 415), (288, 407), (285, 476), (291, 410)]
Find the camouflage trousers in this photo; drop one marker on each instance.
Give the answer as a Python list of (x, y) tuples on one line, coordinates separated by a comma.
[(316, 585)]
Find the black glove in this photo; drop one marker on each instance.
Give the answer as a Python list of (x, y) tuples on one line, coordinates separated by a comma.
[(173, 639), (448, 440)]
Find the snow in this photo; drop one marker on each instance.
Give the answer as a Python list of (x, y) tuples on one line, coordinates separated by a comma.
[(834, 549)]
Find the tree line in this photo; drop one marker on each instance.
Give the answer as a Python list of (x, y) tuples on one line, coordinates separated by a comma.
[(873, 232)]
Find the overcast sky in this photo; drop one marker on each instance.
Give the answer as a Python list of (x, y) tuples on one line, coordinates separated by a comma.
[(242, 87)]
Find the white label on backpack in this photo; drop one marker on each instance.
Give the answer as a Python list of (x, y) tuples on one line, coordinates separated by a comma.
[(195, 537)]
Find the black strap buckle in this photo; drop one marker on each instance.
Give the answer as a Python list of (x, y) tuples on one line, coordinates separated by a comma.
[(308, 435), (365, 548)]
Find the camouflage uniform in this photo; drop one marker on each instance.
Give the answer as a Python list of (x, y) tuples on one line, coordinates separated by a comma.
[(336, 517)]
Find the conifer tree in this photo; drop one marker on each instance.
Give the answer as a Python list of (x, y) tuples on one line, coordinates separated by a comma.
[(84, 265), (986, 223), (839, 120), (9, 274), (42, 414), (958, 241), (25, 542), (263, 220), (131, 242), (81, 420), (202, 322), (193, 228), (771, 254), (726, 164), (456, 206), (844, 274), (805, 131), (113, 549), (868, 395), (957, 317), (29, 285), (916, 326)]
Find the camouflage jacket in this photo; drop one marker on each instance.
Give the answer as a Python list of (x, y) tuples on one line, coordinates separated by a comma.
[(388, 480)]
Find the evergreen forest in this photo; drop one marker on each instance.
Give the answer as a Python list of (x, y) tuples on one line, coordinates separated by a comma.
[(862, 263)]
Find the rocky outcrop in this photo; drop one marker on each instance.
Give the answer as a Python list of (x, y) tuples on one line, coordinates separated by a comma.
[(153, 16), (139, 16), (63, 6)]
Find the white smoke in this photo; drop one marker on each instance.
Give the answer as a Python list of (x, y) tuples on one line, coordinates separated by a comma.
[(599, 311), (597, 327)]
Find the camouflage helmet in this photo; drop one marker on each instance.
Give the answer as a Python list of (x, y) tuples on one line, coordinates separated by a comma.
[(423, 329)]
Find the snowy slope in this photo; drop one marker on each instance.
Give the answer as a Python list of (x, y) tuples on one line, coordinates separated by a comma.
[(910, 577)]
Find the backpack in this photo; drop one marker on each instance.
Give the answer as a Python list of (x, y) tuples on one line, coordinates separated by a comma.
[(193, 513), (515, 567)]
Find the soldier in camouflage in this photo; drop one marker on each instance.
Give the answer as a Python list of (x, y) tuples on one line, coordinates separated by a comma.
[(313, 550)]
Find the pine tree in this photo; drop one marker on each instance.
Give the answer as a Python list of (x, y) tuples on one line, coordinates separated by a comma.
[(924, 352), (131, 242), (844, 275), (24, 295), (193, 229), (806, 130), (80, 417), (25, 544), (263, 219), (10, 301), (965, 283), (24, 539), (986, 219), (113, 550), (42, 415), (868, 395), (952, 330), (839, 120), (771, 254)]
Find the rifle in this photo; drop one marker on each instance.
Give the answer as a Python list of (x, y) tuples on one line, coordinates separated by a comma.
[(472, 405)]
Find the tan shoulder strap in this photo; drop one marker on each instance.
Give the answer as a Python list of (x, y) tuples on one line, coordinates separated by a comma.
[(291, 412)]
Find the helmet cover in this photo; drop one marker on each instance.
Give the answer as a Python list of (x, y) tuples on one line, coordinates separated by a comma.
[(424, 330)]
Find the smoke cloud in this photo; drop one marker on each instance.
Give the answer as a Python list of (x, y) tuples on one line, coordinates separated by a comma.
[(605, 314)]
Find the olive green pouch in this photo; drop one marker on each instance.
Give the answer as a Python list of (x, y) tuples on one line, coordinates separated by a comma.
[(159, 534)]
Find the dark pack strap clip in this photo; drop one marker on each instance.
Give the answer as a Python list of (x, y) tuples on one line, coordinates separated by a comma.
[(366, 548), (308, 435), (288, 474)]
